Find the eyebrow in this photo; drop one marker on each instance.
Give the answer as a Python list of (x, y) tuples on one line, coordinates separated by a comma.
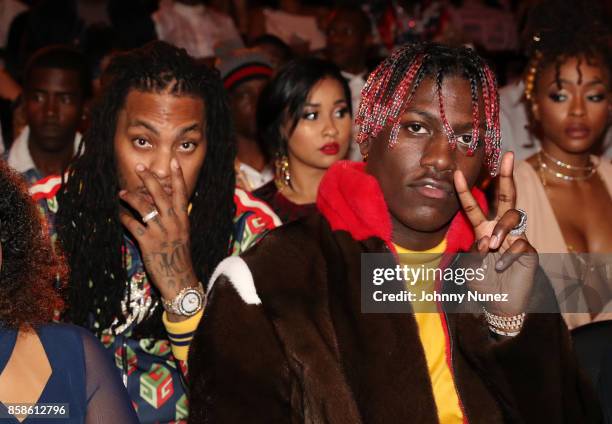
[(58, 93), (319, 104), (457, 129), (141, 123), (422, 113), (193, 127), (590, 83), (467, 127)]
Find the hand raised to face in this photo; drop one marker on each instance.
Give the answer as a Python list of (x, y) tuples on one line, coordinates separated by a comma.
[(164, 239), (510, 261)]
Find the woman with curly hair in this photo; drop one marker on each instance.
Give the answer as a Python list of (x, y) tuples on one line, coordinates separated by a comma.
[(565, 186), (43, 363)]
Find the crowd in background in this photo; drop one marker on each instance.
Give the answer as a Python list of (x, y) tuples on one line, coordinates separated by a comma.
[(279, 29), (292, 74)]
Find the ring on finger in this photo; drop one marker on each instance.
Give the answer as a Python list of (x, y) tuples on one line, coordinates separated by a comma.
[(521, 227), (150, 216)]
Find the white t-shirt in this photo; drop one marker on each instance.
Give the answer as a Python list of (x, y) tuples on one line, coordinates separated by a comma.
[(9, 9), (255, 178), (356, 84), (19, 157), (197, 29), (291, 28)]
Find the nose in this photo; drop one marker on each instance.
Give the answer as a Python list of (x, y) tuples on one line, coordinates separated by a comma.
[(160, 164), (51, 107), (330, 128), (439, 155), (577, 106)]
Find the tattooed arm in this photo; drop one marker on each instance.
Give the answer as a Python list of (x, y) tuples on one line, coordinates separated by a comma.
[(164, 240)]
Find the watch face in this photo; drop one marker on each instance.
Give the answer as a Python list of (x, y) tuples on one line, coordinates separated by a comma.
[(191, 302)]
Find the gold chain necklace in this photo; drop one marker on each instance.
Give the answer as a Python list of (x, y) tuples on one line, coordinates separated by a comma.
[(561, 164), (542, 166)]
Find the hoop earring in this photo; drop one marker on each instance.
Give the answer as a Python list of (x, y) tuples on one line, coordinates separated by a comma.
[(283, 174)]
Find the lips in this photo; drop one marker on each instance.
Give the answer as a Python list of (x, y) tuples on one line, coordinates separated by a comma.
[(578, 131), (432, 188), (50, 129), (330, 149)]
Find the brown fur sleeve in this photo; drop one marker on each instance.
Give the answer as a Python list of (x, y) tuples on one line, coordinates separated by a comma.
[(236, 365)]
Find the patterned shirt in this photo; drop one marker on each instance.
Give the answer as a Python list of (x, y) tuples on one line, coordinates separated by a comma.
[(155, 379)]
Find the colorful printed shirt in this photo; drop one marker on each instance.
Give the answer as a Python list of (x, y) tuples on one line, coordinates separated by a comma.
[(154, 377)]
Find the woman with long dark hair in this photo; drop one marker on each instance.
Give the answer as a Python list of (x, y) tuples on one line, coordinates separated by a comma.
[(304, 119), (43, 363)]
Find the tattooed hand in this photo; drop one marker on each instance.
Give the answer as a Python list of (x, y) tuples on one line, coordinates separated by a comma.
[(163, 240)]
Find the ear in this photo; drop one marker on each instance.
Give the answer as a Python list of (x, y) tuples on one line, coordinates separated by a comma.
[(364, 148), (284, 133), (86, 111)]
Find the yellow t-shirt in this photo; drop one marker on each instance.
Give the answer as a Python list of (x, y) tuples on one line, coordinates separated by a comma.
[(433, 338)]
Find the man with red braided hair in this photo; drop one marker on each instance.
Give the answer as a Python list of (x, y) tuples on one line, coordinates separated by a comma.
[(303, 328)]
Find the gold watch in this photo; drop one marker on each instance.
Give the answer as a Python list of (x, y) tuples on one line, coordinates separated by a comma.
[(187, 302)]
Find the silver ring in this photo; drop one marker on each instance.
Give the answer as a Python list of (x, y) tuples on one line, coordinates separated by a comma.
[(520, 229), (150, 216)]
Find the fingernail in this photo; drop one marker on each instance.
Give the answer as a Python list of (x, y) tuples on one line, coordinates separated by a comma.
[(481, 244), (494, 242), (499, 265), (140, 167), (174, 164)]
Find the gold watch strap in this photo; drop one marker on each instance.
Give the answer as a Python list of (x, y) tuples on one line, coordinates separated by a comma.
[(172, 306)]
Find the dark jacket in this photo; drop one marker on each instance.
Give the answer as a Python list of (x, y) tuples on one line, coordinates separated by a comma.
[(283, 339)]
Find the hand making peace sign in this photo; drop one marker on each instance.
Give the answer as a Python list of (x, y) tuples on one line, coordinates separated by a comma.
[(509, 260)]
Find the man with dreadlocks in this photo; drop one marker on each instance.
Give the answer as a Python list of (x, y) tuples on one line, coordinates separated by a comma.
[(145, 215), (284, 338)]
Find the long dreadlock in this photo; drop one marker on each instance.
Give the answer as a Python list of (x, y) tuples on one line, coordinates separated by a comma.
[(88, 223), (391, 87)]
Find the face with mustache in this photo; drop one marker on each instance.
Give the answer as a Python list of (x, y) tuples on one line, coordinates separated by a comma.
[(154, 128), (416, 175)]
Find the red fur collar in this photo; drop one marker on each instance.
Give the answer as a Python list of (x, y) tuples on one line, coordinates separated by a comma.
[(351, 200)]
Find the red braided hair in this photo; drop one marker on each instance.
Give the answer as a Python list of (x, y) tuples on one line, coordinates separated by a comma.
[(391, 86)]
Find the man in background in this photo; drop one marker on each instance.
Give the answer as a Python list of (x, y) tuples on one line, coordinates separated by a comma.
[(56, 87), (348, 36)]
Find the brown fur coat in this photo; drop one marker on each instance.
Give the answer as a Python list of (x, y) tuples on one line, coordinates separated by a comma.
[(283, 340)]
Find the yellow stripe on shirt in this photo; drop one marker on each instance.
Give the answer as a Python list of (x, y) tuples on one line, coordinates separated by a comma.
[(433, 339)]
